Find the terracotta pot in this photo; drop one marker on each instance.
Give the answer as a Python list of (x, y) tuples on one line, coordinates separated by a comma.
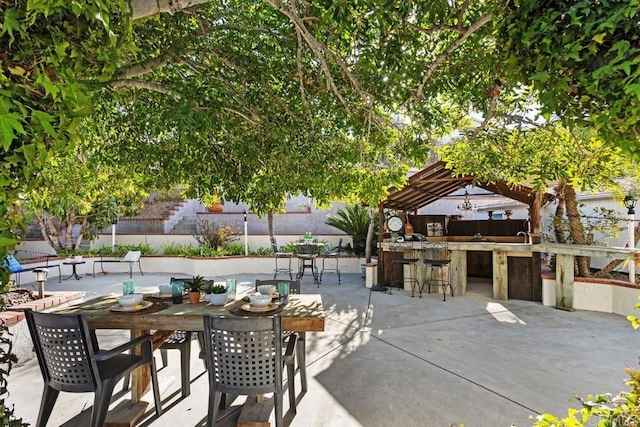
[(194, 297), (216, 207)]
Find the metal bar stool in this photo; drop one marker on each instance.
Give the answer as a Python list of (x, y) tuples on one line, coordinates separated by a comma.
[(436, 258), (411, 262), (307, 255), (278, 254), (333, 254)]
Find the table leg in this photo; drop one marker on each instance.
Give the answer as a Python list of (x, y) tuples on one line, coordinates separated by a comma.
[(140, 377), (302, 359)]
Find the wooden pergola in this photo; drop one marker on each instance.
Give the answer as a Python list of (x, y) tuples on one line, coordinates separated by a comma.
[(436, 181)]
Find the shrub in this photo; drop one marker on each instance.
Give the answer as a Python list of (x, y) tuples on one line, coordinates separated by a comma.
[(215, 236), (179, 249), (353, 220)]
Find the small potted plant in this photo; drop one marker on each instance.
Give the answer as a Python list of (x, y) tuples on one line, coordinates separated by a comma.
[(194, 289), (217, 294)]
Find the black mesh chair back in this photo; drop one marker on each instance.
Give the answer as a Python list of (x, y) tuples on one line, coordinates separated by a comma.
[(244, 356), (63, 349), (307, 250), (69, 363), (297, 338)]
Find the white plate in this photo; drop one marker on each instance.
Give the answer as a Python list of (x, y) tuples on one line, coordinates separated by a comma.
[(141, 306), (249, 307), (159, 295)]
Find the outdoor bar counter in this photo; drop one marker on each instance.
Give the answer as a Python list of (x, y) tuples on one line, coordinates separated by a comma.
[(506, 257)]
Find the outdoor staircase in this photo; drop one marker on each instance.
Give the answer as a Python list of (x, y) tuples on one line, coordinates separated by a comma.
[(186, 225)]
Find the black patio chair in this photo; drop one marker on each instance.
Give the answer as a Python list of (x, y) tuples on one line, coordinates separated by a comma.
[(70, 362), (245, 357)]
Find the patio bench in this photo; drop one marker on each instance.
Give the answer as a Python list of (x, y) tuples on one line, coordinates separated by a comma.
[(132, 257), (28, 261)]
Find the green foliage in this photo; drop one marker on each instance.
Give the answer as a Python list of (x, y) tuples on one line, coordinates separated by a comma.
[(353, 220), (582, 59), (235, 248), (7, 359), (78, 188), (261, 251), (46, 66), (196, 283), (606, 223), (213, 236), (179, 249), (216, 289), (540, 156), (121, 250)]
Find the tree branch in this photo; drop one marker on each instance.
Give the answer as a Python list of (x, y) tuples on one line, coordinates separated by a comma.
[(244, 116), (143, 84), (315, 46), (434, 29), (444, 55), (145, 8), (299, 64)]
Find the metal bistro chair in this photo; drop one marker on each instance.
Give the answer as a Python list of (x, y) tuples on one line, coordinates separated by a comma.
[(245, 358), (294, 288), (410, 262), (436, 258), (307, 256), (333, 254), (279, 254), (68, 361)]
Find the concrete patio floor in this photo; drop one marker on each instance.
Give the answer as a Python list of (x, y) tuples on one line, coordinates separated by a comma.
[(393, 360)]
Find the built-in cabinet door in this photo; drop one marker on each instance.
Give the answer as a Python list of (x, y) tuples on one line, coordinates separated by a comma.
[(525, 282), (392, 273)]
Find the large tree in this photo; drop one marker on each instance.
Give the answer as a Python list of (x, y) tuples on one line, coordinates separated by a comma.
[(542, 156), (263, 99)]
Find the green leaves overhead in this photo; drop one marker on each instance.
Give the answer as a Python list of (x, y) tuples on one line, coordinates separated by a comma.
[(582, 57)]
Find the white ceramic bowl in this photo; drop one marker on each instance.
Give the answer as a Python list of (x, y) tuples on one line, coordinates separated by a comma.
[(130, 300), (165, 289), (267, 289), (260, 300)]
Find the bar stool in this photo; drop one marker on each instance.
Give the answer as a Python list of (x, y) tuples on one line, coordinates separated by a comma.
[(333, 254), (411, 262), (281, 255), (436, 258), (307, 255)]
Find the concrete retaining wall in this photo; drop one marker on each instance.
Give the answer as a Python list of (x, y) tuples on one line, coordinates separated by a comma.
[(596, 295)]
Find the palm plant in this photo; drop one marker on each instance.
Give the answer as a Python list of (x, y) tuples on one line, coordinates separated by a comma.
[(353, 220)]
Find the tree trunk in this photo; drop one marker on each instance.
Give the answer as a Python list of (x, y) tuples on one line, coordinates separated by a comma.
[(367, 249), (68, 234), (43, 229), (78, 244), (534, 212), (270, 224), (616, 262), (575, 228), (558, 224)]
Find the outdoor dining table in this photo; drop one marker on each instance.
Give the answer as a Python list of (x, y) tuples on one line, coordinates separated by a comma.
[(303, 313)]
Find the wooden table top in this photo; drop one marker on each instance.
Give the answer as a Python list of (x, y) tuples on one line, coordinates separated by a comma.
[(303, 313)]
